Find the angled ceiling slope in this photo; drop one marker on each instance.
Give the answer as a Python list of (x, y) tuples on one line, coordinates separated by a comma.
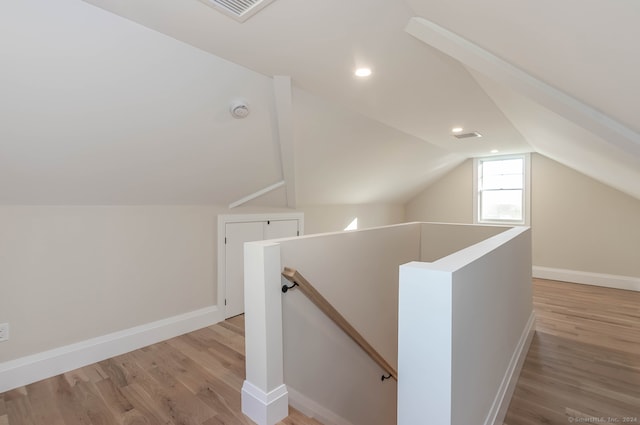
[(415, 90), (555, 123), (150, 114), (586, 48), (99, 110)]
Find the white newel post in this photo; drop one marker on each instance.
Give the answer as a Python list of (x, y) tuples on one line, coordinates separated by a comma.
[(264, 396), (424, 345)]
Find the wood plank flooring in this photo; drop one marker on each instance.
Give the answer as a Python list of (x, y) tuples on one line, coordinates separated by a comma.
[(583, 367), (194, 379), (584, 362)]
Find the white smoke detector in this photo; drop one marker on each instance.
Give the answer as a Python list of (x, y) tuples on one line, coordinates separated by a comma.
[(239, 109)]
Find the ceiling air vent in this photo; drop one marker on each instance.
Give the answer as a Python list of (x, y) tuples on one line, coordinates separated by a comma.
[(240, 10), (467, 135)]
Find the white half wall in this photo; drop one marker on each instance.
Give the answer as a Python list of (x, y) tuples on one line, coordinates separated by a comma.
[(357, 272), (465, 325)]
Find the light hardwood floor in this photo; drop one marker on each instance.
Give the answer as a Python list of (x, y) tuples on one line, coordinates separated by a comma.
[(194, 379), (584, 362), (583, 367)]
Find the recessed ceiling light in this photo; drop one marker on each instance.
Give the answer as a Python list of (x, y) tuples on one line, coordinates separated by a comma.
[(363, 72), (494, 151), (457, 130)]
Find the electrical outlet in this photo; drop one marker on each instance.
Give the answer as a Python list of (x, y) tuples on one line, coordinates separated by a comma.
[(4, 332)]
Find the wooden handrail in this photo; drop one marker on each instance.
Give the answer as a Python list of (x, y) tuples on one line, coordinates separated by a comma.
[(325, 306)]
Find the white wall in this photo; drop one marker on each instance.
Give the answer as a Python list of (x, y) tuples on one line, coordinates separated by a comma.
[(448, 200), (491, 321), (577, 223), (581, 224), (334, 218), (465, 322), (440, 239), (73, 273), (358, 274)]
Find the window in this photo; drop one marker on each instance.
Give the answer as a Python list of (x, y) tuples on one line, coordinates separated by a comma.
[(502, 189)]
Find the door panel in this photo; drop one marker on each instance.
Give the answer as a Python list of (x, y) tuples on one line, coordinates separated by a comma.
[(275, 229), (236, 235)]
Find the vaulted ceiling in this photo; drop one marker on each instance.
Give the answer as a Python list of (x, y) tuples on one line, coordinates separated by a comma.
[(129, 102)]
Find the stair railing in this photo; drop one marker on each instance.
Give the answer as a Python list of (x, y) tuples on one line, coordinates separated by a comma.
[(325, 306)]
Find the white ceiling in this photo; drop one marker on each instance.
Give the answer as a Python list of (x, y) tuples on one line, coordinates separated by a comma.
[(586, 48), (319, 43), (345, 158), (99, 109)]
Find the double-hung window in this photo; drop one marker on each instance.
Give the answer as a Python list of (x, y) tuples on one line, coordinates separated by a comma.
[(502, 189)]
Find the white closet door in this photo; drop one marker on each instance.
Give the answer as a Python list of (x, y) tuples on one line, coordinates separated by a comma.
[(275, 229), (236, 235)]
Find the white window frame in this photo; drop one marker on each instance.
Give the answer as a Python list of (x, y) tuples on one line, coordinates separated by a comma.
[(526, 192)]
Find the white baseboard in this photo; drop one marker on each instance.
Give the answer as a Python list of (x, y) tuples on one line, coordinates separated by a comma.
[(586, 278), (265, 408), (507, 387), (32, 368), (314, 410)]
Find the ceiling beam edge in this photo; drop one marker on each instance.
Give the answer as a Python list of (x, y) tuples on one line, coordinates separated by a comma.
[(504, 72), (256, 194), (284, 113)]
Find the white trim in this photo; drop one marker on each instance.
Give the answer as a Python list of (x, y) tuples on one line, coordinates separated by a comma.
[(476, 193), (29, 369), (265, 408), (282, 90), (507, 387), (628, 283), (526, 192), (223, 219), (314, 410), (256, 194)]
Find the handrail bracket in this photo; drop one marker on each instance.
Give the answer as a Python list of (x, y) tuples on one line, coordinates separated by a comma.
[(286, 288)]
